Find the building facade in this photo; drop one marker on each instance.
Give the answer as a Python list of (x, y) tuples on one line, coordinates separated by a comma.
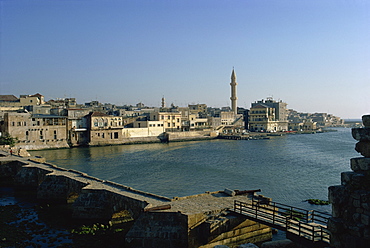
[(104, 129), (36, 131), (171, 120), (268, 116)]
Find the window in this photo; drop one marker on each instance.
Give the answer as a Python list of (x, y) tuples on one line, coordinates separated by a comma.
[(116, 135), (41, 135), (55, 134), (27, 133)]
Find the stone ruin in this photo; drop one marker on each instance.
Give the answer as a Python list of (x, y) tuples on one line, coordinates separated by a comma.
[(350, 224)]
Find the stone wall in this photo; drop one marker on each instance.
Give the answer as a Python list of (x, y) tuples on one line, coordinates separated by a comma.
[(202, 220), (350, 224), (159, 229)]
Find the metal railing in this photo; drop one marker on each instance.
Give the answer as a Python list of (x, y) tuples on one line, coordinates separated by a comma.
[(308, 224)]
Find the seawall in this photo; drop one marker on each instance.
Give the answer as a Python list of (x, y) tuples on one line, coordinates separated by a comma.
[(195, 221)]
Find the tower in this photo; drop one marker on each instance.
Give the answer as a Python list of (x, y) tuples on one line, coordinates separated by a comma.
[(163, 102), (233, 97)]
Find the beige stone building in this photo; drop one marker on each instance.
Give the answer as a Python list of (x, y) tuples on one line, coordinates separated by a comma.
[(22, 101), (171, 120), (263, 118), (306, 125), (104, 129), (35, 132), (76, 126), (268, 116)]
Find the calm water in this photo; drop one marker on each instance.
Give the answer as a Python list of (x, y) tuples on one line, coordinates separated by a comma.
[(289, 169)]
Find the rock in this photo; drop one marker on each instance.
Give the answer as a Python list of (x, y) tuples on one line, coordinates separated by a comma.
[(23, 153), (360, 164), (285, 243), (229, 192), (363, 147), (366, 120), (361, 134)]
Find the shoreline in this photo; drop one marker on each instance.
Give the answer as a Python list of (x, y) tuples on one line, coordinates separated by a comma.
[(177, 137)]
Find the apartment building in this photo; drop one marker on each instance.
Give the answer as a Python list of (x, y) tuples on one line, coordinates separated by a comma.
[(171, 120)]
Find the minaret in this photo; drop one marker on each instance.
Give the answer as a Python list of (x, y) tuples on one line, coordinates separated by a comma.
[(163, 102), (233, 97)]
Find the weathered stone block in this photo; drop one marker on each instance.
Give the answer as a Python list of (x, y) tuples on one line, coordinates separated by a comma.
[(357, 217), (360, 164), (361, 134), (363, 147), (365, 219), (355, 231), (346, 177), (366, 121), (335, 225), (336, 210), (337, 194), (359, 210), (356, 203), (367, 233)]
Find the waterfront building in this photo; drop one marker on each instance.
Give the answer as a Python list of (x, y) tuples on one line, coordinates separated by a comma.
[(76, 125), (306, 125), (268, 116), (35, 131), (171, 120), (104, 129), (321, 119)]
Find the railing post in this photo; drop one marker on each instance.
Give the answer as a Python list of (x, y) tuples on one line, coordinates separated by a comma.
[(313, 216), (256, 212), (313, 233)]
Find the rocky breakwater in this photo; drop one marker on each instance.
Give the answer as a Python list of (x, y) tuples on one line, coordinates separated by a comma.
[(350, 224)]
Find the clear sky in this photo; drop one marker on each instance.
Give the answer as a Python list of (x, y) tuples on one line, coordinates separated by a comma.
[(312, 54)]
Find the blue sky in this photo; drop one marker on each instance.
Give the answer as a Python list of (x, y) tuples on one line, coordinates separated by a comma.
[(312, 54)]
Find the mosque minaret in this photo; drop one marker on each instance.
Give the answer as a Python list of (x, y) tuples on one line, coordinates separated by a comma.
[(233, 97)]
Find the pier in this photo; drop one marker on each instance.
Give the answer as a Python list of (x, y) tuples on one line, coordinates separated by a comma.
[(306, 227)]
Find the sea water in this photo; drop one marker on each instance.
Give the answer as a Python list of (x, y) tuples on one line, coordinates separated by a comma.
[(290, 169)]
